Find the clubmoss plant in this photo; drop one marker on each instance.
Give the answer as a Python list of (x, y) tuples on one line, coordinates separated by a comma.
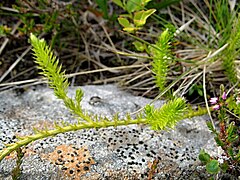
[(160, 53), (162, 57), (158, 118)]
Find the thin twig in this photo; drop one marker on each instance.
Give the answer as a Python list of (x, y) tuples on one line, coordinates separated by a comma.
[(232, 114), (7, 39)]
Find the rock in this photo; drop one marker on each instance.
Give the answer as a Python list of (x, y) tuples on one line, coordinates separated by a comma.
[(125, 152)]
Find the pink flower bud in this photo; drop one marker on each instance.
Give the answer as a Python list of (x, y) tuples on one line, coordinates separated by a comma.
[(216, 107), (214, 100), (224, 96)]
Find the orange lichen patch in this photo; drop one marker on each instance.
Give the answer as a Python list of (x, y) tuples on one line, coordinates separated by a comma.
[(73, 161), (26, 152), (12, 155), (42, 125)]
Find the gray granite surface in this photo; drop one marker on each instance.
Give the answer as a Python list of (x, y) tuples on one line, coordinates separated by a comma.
[(125, 152)]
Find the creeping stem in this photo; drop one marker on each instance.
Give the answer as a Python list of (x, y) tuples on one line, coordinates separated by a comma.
[(59, 129)]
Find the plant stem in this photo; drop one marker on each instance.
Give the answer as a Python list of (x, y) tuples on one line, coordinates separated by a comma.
[(47, 133)]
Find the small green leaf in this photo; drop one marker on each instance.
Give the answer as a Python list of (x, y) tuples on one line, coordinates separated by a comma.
[(191, 91), (204, 157), (124, 22), (129, 27), (145, 2), (200, 92), (139, 46), (136, 5), (119, 3), (140, 17), (213, 167), (133, 5)]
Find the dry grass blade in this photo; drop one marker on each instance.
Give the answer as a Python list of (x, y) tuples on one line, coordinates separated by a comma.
[(205, 96), (14, 64), (43, 80)]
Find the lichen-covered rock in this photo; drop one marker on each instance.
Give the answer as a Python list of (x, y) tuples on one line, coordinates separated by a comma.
[(125, 152)]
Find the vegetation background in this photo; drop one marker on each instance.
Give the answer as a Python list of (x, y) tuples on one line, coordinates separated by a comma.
[(152, 48)]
